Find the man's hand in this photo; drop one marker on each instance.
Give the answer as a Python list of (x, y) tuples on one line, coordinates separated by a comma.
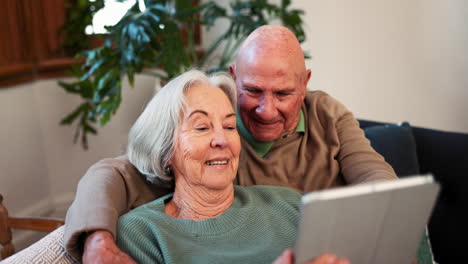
[(100, 248), (288, 258)]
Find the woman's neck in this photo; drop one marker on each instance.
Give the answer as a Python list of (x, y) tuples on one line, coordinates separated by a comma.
[(198, 202)]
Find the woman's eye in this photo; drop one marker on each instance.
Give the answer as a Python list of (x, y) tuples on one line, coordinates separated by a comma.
[(230, 128), (201, 128)]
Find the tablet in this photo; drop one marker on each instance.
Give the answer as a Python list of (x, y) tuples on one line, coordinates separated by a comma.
[(381, 222)]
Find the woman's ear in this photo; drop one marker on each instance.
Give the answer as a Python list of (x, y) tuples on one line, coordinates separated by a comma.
[(168, 170)]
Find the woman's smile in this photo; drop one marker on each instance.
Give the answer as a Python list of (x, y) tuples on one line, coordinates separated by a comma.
[(219, 162)]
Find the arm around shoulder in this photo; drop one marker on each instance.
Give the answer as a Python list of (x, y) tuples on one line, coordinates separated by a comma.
[(109, 189)]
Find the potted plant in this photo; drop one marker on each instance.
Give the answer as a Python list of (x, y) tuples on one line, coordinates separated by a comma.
[(162, 36)]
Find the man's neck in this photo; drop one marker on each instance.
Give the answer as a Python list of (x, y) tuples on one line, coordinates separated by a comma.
[(199, 203)]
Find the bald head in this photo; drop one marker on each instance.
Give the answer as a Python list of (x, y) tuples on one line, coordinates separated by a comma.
[(272, 41), (271, 81)]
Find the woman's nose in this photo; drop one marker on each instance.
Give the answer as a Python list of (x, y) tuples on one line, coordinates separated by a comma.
[(219, 139)]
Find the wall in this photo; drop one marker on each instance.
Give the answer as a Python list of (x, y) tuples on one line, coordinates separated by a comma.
[(392, 60), (40, 165), (24, 181), (389, 60)]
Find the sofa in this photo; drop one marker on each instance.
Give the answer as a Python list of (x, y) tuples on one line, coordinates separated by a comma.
[(417, 150), (410, 150)]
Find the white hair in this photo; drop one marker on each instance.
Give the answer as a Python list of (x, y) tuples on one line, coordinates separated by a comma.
[(151, 139)]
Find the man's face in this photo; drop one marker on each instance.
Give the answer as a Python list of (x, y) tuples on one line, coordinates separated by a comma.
[(270, 95)]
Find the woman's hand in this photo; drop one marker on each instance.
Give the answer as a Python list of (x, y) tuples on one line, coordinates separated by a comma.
[(288, 258), (100, 248)]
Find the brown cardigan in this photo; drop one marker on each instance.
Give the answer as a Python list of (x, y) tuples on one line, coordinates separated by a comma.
[(332, 152)]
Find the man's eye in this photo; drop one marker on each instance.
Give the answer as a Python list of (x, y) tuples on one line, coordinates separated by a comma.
[(283, 93), (201, 128), (253, 91), (230, 128)]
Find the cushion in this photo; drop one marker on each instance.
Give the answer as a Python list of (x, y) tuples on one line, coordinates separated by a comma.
[(445, 155), (397, 145), (50, 249)]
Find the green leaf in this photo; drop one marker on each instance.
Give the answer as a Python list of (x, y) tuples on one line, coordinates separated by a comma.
[(117, 102), (69, 87), (104, 80), (87, 89), (73, 115), (131, 77), (285, 4), (158, 7), (89, 128), (153, 16), (105, 118), (190, 11), (93, 68), (104, 106)]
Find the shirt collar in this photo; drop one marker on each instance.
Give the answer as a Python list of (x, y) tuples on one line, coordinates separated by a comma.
[(262, 148)]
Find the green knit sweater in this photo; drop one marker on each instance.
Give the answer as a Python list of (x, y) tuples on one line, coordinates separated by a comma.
[(260, 224)]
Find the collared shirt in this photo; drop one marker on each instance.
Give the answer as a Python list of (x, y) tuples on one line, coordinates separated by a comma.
[(262, 148)]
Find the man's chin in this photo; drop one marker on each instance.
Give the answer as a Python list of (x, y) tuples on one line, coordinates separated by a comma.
[(266, 136), (265, 133)]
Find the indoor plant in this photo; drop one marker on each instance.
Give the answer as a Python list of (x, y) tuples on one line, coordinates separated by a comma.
[(162, 36)]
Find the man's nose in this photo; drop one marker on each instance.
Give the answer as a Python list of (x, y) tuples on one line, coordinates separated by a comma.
[(219, 139), (266, 109)]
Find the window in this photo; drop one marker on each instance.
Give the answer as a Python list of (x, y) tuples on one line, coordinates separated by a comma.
[(30, 42), (112, 12)]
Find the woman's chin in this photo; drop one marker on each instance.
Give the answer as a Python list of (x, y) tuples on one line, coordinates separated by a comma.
[(218, 181)]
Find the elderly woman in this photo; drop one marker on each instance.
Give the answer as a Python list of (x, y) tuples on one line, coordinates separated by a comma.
[(187, 136)]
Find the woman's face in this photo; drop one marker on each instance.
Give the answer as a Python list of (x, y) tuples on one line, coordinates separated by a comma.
[(207, 143)]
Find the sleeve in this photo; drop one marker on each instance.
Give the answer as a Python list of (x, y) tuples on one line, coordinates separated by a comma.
[(135, 238), (109, 189), (359, 162)]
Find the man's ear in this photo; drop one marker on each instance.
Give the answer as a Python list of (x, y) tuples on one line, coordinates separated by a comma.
[(308, 75), (232, 71)]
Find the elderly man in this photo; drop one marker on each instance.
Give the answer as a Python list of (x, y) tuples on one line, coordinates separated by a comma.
[(290, 137)]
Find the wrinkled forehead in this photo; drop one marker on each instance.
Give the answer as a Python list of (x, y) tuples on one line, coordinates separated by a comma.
[(268, 75), (276, 80), (205, 96)]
